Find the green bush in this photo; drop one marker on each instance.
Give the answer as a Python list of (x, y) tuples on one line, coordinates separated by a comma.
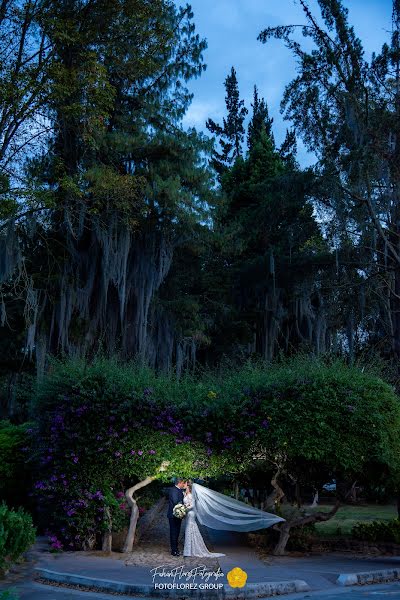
[(17, 534), (378, 531), (9, 595), (302, 538), (102, 426), (14, 475)]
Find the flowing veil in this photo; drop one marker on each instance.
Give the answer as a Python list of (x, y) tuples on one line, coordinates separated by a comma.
[(218, 511)]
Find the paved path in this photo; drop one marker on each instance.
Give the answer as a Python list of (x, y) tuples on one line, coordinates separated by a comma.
[(372, 592), (319, 572), (34, 591)]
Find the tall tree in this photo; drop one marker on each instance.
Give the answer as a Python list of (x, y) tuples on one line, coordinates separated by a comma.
[(125, 180), (259, 122), (347, 111), (231, 133), (269, 270)]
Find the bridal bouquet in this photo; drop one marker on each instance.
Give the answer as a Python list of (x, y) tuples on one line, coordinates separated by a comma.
[(179, 511)]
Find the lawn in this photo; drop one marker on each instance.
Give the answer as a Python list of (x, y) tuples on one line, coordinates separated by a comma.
[(347, 516)]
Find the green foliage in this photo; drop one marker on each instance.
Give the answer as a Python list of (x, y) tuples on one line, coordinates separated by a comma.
[(17, 534), (378, 531), (345, 107), (101, 429), (231, 133), (268, 282), (14, 473), (349, 515), (315, 415), (9, 595), (302, 538)]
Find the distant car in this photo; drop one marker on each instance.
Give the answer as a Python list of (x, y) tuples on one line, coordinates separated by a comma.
[(330, 487)]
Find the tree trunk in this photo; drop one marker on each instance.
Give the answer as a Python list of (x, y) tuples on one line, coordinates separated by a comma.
[(107, 537), (398, 505), (284, 534), (277, 494), (315, 499), (284, 529), (130, 537)]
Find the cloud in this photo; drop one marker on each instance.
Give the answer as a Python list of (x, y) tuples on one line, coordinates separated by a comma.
[(231, 28), (199, 111)]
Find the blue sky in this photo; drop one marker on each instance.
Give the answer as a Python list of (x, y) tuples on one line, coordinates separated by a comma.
[(231, 28)]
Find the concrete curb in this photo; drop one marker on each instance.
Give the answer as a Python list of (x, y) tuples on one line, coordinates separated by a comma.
[(251, 590), (368, 577)]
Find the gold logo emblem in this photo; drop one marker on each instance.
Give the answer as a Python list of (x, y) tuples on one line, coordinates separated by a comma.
[(237, 577)]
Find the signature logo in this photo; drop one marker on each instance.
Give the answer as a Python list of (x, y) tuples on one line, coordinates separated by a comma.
[(237, 577), (184, 578)]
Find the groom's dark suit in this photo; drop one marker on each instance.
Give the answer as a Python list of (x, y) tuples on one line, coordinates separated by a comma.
[(175, 496)]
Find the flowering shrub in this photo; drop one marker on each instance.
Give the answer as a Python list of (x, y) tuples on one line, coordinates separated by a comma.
[(92, 441), (102, 427)]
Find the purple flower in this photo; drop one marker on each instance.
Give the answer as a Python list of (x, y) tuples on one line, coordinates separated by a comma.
[(265, 424), (133, 451), (75, 459), (152, 451), (140, 452), (227, 440), (118, 454)]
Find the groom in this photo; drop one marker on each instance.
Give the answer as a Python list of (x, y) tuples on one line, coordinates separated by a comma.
[(175, 496)]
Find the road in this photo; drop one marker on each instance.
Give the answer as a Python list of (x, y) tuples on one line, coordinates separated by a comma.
[(390, 591), (34, 591)]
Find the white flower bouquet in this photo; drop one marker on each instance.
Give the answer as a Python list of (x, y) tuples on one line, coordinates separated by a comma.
[(179, 511)]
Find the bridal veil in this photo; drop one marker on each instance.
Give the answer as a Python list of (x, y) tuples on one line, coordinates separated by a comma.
[(218, 511)]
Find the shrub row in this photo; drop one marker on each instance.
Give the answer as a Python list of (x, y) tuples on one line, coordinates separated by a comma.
[(378, 531)]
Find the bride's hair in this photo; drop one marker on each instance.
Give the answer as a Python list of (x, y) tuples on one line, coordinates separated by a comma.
[(189, 486)]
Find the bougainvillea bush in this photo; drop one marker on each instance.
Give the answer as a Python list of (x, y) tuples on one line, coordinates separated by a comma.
[(97, 435), (101, 427)]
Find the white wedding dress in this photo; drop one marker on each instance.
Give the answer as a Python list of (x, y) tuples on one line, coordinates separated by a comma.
[(194, 543), (218, 511)]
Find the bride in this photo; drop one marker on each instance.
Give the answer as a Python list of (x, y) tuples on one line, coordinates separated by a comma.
[(194, 543), (218, 511)]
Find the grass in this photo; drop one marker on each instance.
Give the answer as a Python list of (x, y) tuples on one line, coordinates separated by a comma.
[(347, 516)]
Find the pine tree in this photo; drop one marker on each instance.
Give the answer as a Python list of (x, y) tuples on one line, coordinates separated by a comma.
[(231, 133), (127, 184), (260, 121), (347, 111)]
